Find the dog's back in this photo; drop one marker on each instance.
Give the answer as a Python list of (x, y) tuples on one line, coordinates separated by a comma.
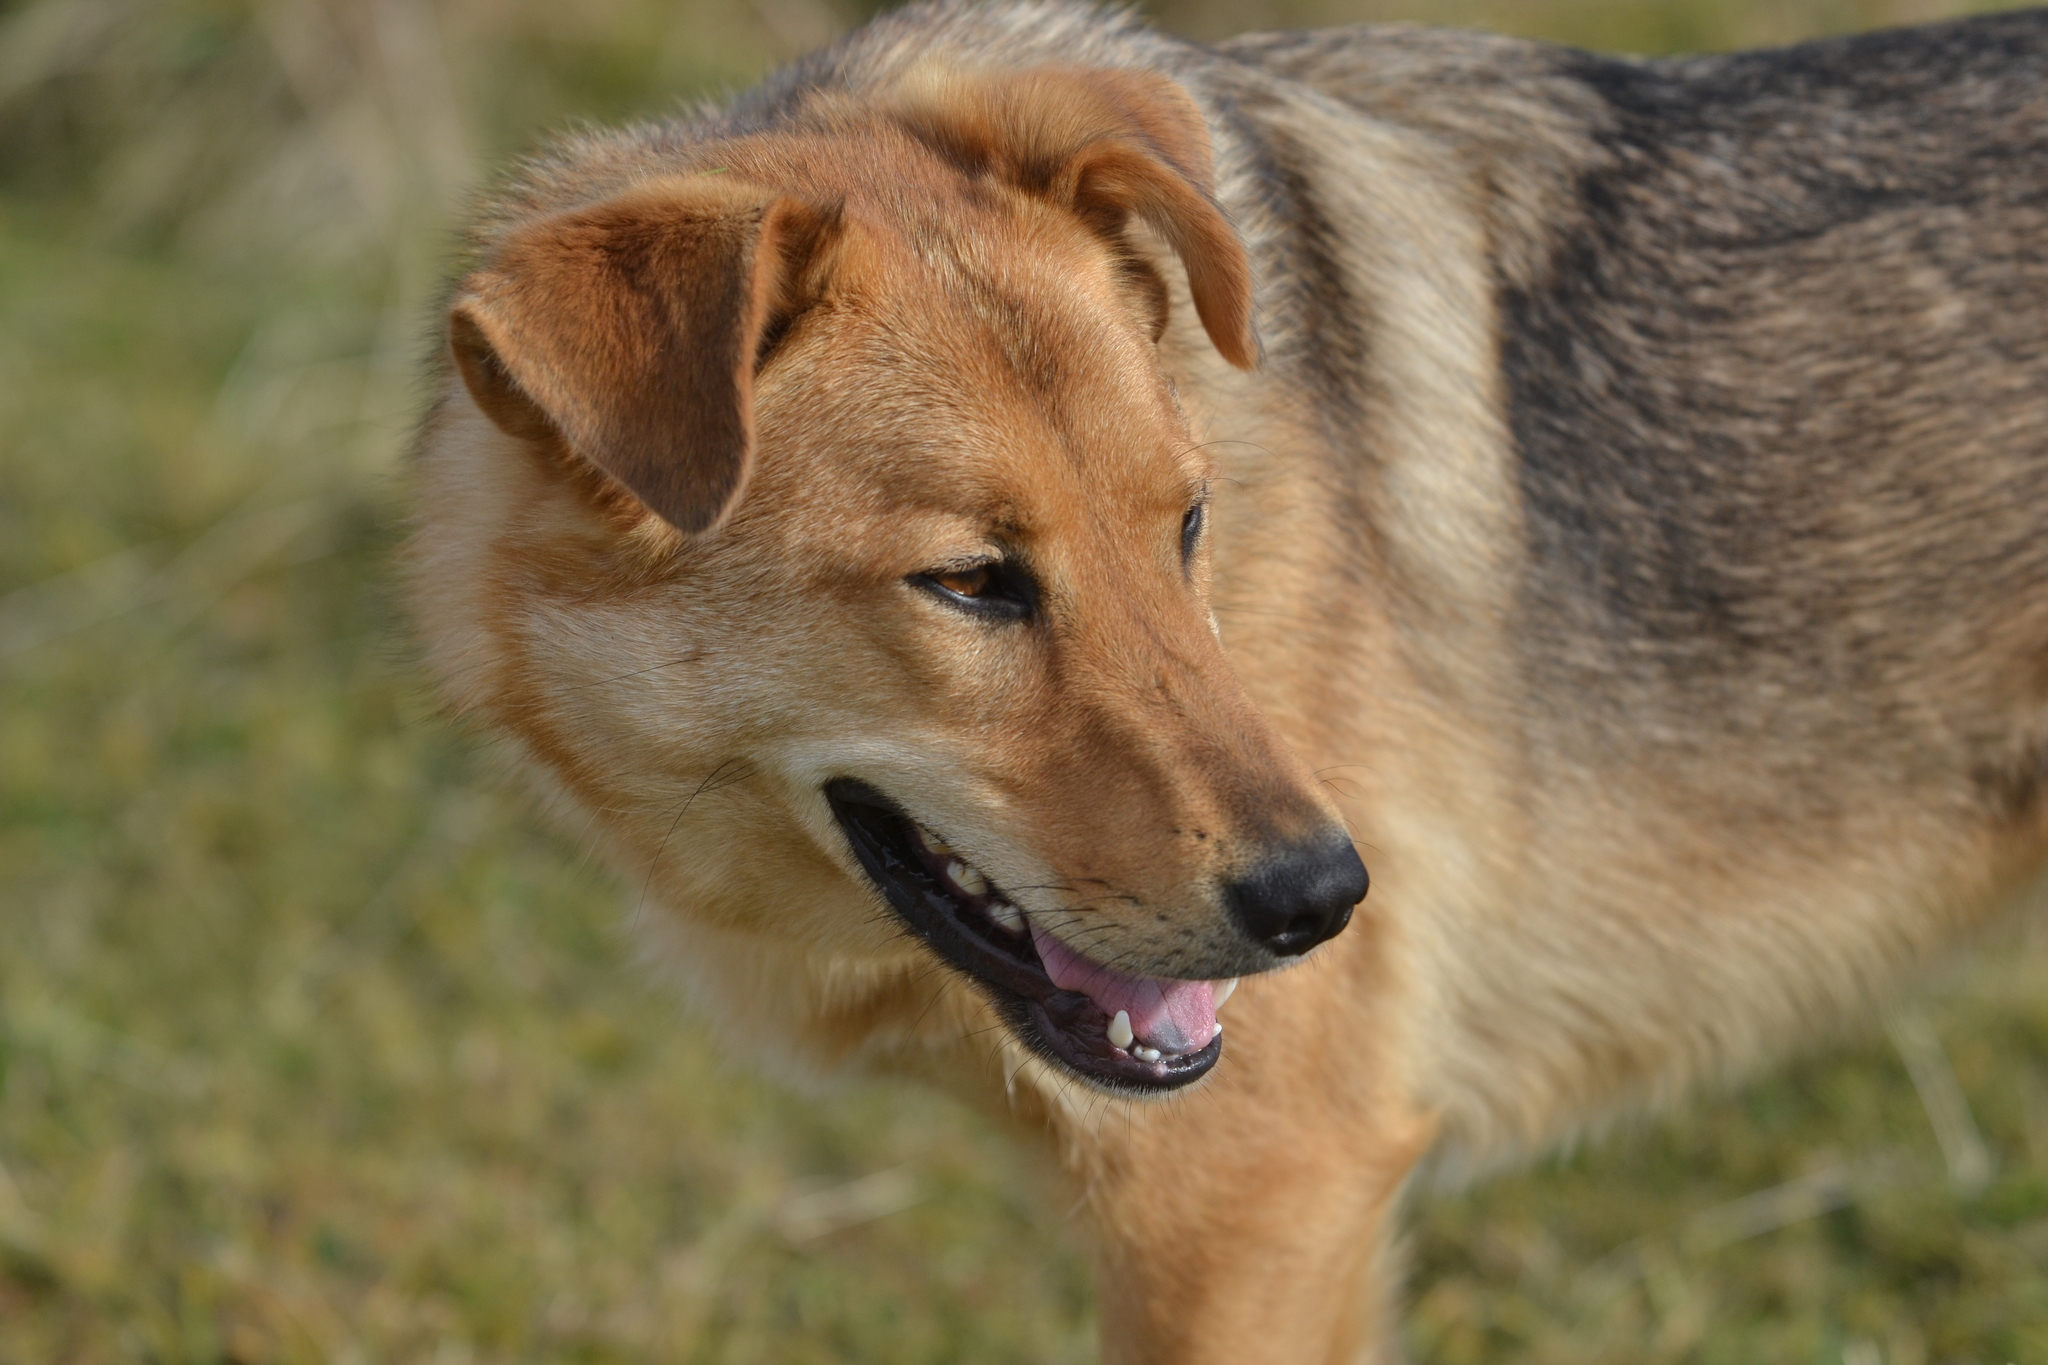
[(1773, 365)]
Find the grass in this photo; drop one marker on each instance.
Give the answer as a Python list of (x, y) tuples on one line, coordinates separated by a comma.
[(316, 1044)]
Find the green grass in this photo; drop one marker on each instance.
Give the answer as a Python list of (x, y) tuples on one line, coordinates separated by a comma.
[(317, 1044)]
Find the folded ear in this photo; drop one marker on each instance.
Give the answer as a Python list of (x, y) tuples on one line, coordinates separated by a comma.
[(630, 330), (1110, 143)]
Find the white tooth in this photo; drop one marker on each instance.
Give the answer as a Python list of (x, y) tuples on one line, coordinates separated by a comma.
[(938, 846), (968, 879), (1145, 1054), (1220, 991), (1120, 1034), (1006, 916)]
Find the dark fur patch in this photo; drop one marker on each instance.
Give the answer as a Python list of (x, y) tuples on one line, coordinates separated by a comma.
[(1320, 333), (2017, 789), (1778, 403)]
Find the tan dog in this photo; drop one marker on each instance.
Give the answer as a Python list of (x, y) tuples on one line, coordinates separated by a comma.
[(1635, 534)]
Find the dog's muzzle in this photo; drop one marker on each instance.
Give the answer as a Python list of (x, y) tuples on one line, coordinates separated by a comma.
[(1127, 1034)]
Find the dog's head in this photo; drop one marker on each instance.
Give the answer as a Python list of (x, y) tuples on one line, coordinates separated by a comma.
[(836, 534)]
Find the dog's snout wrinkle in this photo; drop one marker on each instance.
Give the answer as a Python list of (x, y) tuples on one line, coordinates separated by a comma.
[(1300, 896)]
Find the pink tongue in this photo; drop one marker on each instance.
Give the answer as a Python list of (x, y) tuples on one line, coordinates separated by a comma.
[(1173, 1016)]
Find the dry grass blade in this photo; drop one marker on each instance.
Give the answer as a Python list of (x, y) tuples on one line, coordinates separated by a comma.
[(806, 1217), (1753, 1215), (1970, 1163)]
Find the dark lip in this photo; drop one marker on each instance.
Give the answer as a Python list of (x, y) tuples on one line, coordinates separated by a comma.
[(1064, 1027)]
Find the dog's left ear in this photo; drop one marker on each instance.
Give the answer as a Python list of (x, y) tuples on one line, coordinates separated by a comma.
[(629, 330), (1110, 143)]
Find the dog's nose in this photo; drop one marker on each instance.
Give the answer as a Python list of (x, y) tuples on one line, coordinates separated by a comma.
[(1300, 896)]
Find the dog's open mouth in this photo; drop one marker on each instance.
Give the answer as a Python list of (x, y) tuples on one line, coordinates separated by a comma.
[(1129, 1033)]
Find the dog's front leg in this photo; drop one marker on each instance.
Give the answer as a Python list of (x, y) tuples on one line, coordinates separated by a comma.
[(1250, 1220)]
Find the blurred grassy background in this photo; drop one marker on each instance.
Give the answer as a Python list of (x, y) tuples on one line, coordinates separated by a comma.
[(316, 1045)]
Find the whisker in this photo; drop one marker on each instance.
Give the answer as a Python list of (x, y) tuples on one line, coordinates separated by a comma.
[(744, 771), (692, 657)]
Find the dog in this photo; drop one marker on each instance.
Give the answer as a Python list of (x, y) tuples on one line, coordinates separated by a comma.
[(991, 524)]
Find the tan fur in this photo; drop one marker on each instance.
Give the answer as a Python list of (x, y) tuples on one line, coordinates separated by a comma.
[(714, 397)]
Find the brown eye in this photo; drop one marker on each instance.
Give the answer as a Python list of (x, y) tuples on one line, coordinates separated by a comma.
[(1001, 589), (965, 582)]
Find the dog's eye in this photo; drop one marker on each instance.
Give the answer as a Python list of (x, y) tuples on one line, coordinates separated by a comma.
[(1191, 532), (974, 582), (1000, 589)]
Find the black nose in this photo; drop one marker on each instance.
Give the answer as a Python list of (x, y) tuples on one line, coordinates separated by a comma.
[(1300, 896)]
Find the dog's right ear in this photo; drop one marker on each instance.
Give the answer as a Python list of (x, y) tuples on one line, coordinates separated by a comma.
[(629, 330), (1108, 143)]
